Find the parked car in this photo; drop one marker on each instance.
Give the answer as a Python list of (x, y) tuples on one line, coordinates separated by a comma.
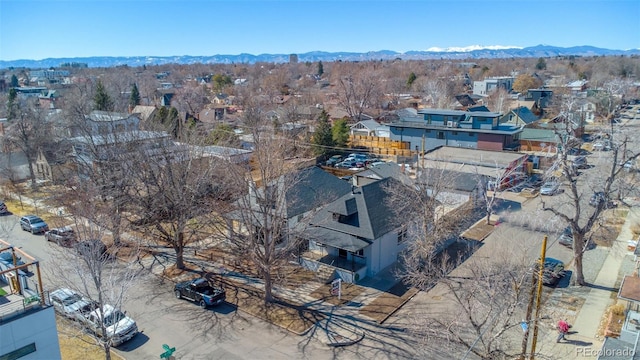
[(33, 224), (601, 145), (120, 328), (347, 164), (550, 187), (629, 165), (3, 208), (200, 291), (580, 162), (333, 160), (535, 181), (552, 273), (566, 239), (599, 198), (61, 236), (94, 249), (67, 302)]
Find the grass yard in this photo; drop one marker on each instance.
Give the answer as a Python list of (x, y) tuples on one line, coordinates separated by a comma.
[(76, 346), (2, 292)]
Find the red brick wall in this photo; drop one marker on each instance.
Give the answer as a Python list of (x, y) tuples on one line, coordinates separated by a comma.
[(490, 141)]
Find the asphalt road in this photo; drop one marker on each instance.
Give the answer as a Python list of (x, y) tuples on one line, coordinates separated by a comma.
[(218, 333)]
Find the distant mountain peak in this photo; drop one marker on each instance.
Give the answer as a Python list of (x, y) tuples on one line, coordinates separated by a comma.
[(450, 53), (471, 48)]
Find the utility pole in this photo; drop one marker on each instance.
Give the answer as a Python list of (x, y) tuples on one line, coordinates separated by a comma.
[(543, 253), (527, 319)]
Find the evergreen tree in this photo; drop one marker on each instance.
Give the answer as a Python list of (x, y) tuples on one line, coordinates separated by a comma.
[(320, 68), (14, 81), (412, 78), (12, 104), (322, 138), (134, 99), (542, 64), (340, 133), (223, 135), (101, 100)]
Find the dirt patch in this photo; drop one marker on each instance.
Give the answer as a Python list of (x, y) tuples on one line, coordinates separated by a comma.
[(189, 271), (479, 231), (349, 292), (286, 314), (78, 346), (387, 303), (606, 234)]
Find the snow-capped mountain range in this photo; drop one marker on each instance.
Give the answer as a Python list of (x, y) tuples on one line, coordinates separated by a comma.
[(452, 53)]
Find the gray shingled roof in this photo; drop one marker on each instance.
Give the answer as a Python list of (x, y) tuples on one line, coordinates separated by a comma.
[(313, 187), (373, 219)]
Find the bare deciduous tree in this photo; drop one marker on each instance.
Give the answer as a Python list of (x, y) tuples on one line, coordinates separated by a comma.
[(103, 273), (265, 235), (580, 217)]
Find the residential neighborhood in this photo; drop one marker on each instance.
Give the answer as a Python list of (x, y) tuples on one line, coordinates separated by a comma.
[(321, 210)]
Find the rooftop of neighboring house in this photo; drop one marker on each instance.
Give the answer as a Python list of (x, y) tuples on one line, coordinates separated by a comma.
[(383, 171), (473, 157), (458, 112), (541, 135), (523, 113), (106, 116), (121, 137), (144, 111)]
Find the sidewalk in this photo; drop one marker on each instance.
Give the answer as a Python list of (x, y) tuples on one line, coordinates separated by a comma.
[(599, 297)]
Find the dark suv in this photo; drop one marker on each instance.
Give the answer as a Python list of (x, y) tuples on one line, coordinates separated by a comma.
[(601, 199), (33, 224)]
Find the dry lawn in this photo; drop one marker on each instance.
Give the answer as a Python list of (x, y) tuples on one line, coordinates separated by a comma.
[(73, 347), (349, 292), (607, 232), (290, 316), (388, 302), (479, 231)]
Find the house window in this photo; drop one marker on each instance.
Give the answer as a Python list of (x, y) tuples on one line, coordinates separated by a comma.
[(359, 253), (440, 135), (402, 236), (472, 134)]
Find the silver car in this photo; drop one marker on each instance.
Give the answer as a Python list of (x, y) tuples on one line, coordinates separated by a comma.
[(550, 188), (67, 302)]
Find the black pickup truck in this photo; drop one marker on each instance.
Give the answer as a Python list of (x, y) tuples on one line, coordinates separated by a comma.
[(200, 291)]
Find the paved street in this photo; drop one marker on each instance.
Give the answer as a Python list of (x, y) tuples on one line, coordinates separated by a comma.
[(221, 332)]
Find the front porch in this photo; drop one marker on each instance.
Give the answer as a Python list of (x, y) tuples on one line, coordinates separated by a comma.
[(330, 267)]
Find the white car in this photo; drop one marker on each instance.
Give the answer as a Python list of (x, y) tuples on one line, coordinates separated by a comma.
[(550, 188), (67, 302)]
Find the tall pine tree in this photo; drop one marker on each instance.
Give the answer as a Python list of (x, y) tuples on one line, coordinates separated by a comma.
[(322, 138), (102, 100), (340, 133), (134, 99)]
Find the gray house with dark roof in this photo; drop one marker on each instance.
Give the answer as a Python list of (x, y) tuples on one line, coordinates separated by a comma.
[(355, 236), (307, 190)]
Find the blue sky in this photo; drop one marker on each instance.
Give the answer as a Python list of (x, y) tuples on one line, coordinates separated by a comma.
[(36, 29)]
